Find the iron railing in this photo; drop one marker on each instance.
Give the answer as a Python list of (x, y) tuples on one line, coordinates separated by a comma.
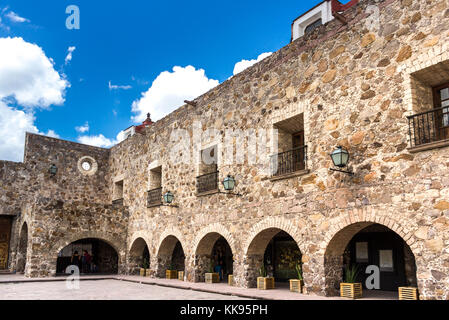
[(289, 162), (207, 182), (430, 126), (154, 197)]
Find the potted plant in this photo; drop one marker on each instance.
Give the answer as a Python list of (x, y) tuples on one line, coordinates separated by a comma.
[(231, 280), (264, 282), (181, 275), (350, 288), (296, 285), (171, 273), (211, 276), (408, 293), (145, 268)]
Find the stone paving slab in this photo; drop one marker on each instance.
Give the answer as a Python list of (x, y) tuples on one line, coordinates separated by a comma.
[(280, 293)]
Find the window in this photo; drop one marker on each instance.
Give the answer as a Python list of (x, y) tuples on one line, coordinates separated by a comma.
[(313, 26), (208, 170), (291, 145), (441, 97), (118, 190), (155, 192)]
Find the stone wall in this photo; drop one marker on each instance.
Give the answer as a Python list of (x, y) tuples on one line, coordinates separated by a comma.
[(353, 86)]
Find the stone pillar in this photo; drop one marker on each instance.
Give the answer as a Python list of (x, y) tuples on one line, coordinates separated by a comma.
[(201, 267), (162, 264), (251, 267), (333, 274)]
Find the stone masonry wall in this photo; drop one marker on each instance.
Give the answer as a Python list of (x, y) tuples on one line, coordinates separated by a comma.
[(353, 84)]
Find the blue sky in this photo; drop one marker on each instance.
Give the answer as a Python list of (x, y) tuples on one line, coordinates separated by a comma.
[(129, 44)]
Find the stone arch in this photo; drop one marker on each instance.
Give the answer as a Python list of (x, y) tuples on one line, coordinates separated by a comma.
[(271, 223), (22, 250), (137, 254), (340, 235), (168, 241), (257, 242), (203, 246), (99, 235)]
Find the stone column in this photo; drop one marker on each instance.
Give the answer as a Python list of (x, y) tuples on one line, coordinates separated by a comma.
[(161, 264), (251, 271), (201, 267)]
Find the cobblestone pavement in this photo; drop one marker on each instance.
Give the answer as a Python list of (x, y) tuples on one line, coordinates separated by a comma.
[(101, 290)]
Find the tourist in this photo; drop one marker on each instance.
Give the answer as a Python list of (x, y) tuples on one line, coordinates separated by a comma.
[(75, 260), (86, 260)]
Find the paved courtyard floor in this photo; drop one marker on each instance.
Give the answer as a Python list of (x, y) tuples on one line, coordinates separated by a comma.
[(101, 290), (17, 287)]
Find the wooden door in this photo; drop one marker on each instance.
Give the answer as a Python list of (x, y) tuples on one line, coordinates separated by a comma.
[(5, 231), (441, 102), (298, 151)]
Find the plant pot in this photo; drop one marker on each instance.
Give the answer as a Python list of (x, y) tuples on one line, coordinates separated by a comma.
[(296, 285), (212, 278), (351, 290), (147, 272), (171, 274), (142, 272), (231, 280), (181, 275), (265, 283), (408, 293)]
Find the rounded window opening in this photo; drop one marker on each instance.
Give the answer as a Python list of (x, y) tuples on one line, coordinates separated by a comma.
[(86, 166), (90, 256)]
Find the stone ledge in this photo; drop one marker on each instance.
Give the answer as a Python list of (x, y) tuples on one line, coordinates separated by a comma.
[(154, 205), (291, 175), (207, 193), (430, 146)]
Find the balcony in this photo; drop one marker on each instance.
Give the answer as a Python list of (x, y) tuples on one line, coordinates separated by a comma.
[(289, 162), (428, 130), (154, 198), (207, 183), (118, 202)]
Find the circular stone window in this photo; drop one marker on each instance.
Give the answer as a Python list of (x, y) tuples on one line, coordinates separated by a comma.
[(87, 166)]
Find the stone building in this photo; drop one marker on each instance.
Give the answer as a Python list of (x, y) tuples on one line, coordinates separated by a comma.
[(374, 80)]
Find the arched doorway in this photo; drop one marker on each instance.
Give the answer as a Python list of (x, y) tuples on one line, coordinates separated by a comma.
[(103, 257), (213, 253), (278, 252), (369, 244), (22, 249), (170, 256), (139, 256)]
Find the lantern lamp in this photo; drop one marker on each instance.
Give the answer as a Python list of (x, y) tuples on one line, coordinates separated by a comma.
[(169, 197), (53, 170), (229, 183), (340, 158)]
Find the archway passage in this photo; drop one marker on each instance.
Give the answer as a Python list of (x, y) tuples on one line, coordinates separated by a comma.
[(369, 244), (278, 252), (170, 256), (213, 254), (101, 257), (139, 256), (22, 249)]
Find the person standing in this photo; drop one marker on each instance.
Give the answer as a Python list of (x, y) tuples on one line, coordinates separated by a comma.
[(86, 260), (75, 260)]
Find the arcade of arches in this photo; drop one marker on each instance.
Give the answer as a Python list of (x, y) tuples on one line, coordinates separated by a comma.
[(360, 244)]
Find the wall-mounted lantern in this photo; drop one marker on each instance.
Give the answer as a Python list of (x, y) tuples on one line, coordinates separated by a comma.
[(229, 185), (53, 170), (169, 198), (340, 158)]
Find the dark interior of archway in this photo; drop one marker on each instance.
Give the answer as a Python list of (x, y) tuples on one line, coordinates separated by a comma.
[(178, 258), (378, 245), (104, 258), (281, 257), (145, 257), (222, 258)]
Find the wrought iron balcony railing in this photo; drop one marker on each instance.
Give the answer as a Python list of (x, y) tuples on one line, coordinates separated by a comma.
[(155, 197), (289, 162), (428, 127), (207, 182)]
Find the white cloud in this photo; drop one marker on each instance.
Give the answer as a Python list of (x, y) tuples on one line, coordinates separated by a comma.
[(83, 129), (13, 125), (101, 141), (69, 56), (116, 87), (28, 76), (169, 91), (14, 17), (27, 79), (245, 64)]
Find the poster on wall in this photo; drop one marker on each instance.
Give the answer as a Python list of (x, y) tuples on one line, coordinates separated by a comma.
[(386, 260), (361, 250)]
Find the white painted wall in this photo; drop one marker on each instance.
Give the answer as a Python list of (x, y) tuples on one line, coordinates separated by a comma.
[(324, 11)]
